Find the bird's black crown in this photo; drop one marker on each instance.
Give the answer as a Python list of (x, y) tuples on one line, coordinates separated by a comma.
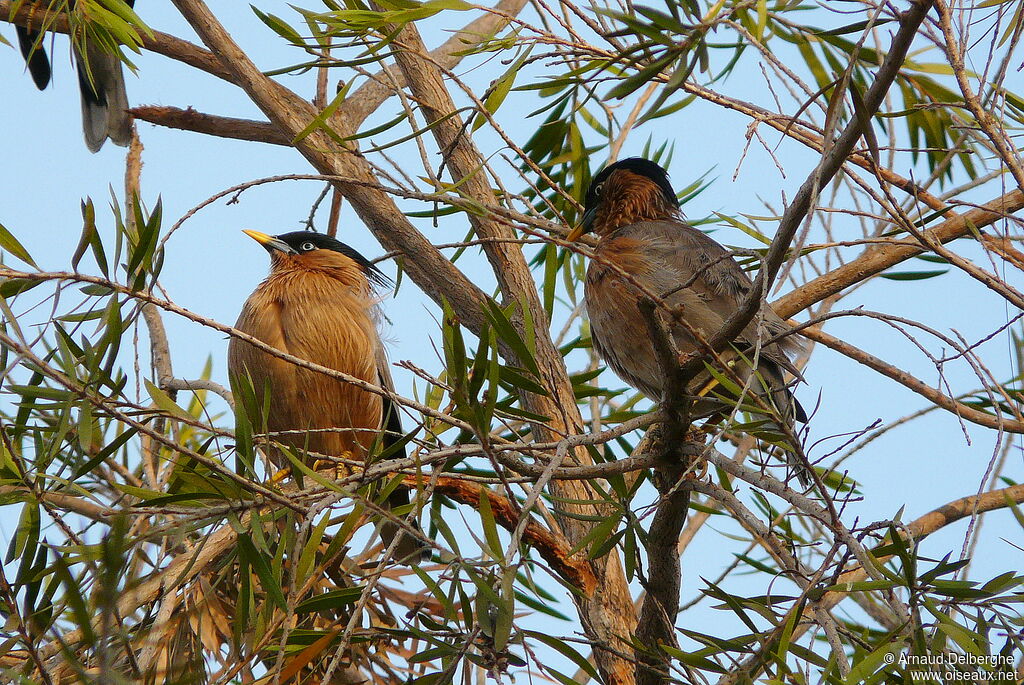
[(640, 166), (307, 241)]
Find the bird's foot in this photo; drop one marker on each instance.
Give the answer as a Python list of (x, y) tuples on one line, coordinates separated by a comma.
[(280, 475), (337, 468), (698, 466), (698, 469)]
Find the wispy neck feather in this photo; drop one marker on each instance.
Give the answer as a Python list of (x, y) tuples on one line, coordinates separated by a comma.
[(629, 198)]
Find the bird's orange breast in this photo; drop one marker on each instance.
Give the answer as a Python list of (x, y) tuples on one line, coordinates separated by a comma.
[(314, 315)]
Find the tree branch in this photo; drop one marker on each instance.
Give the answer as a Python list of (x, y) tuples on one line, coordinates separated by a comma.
[(660, 607), (909, 381), (881, 258), (372, 94), (552, 546), (211, 124), (608, 614), (919, 528), (830, 164)]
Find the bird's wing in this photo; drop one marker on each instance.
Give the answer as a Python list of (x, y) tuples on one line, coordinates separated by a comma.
[(616, 331), (104, 100), (412, 547), (713, 283), (391, 420)]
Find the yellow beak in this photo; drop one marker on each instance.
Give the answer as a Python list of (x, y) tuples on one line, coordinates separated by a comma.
[(270, 243), (575, 233), (261, 238)]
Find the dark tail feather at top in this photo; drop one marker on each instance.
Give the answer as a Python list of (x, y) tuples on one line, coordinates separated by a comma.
[(35, 57), (104, 100), (101, 83)]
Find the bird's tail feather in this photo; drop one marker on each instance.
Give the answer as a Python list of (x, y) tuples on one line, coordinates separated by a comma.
[(104, 99), (791, 412), (770, 385), (412, 548), (35, 56)]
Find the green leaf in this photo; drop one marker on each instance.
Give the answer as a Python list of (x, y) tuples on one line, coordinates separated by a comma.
[(567, 651), (497, 93), (855, 27), (641, 78), (334, 599), (506, 610), (598, 534), (11, 244), (142, 493), (508, 334), (490, 528), (862, 586), (9, 287), (27, 534), (310, 549), (913, 275), (320, 120), (164, 402), (270, 584), (749, 230), (279, 26), (694, 660), (867, 666), (74, 595)]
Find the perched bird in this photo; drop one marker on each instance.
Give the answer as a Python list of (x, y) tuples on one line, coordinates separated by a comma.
[(318, 304), (100, 82), (645, 250)]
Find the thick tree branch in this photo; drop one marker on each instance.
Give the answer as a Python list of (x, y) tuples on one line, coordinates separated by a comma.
[(551, 546), (608, 614), (656, 624), (211, 124)]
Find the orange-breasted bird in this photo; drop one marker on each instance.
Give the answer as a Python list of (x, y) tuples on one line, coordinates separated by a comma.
[(644, 241), (319, 304)]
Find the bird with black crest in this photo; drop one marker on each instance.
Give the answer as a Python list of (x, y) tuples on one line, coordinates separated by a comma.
[(648, 255), (319, 304)]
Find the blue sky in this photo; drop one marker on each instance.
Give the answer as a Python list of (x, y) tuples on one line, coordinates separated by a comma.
[(211, 266)]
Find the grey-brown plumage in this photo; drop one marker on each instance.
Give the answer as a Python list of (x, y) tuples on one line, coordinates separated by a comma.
[(318, 304), (100, 82), (104, 99), (646, 251)]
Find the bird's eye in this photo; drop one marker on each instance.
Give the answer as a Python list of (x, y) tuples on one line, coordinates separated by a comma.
[(307, 246), (598, 188)]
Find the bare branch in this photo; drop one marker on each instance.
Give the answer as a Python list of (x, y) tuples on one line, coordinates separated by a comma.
[(878, 260), (831, 162), (210, 124)]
